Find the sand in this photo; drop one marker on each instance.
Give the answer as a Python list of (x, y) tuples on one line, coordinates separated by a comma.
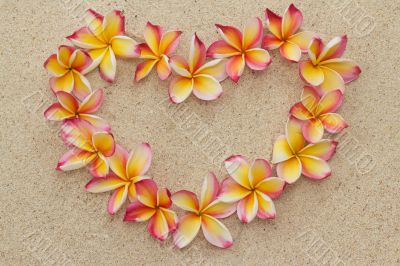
[(351, 218)]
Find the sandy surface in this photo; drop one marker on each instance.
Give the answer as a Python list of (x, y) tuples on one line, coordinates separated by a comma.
[(352, 218)]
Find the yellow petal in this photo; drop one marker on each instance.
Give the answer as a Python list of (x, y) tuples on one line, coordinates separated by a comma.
[(247, 208), (152, 36), (310, 73), (188, 228), (332, 80), (124, 47), (180, 88), (252, 34), (314, 168), (64, 54), (289, 170), (206, 87), (104, 143), (186, 200), (108, 66), (144, 68), (216, 232), (117, 198), (259, 170), (281, 151), (209, 190), (114, 24), (294, 134), (139, 161), (54, 66), (238, 168), (63, 83)]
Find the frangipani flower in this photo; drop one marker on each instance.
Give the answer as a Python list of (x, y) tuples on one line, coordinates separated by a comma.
[(204, 214), (156, 50), (251, 185), (67, 67), (319, 113), (153, 204), (68, 107), (241, 48), (325, 68), (283, 34), (203, 79), (104, 38), (128, 169), (294, 158), (89, 147)]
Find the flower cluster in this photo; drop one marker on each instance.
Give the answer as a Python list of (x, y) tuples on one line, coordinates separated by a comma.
[(250, 186)]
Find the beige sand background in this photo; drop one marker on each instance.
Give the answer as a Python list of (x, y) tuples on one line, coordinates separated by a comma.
[(352, 218)]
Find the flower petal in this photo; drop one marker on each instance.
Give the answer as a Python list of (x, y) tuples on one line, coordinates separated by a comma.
[(108, 66), (231, 191), (97, 56), (97, 122), (259, 170), (74, 159), (257, 58), (299, 111), (310, 73), (281, 151), (84, 38), (206, 87), (334, 48), (323, 149), (94, 21), (302, 39), (124, 47), (180, 66), (291, 21), (209, 190), (247, 208), (221, 49), (144, 68), (346, 68), (92, 102), (81, 60), (186, 200), (118, 197), (158, 226), (333, 123), (146, 192), (99, 167), (197, 54), (64, 83), (152, 36), (163, 68), (98, 185), (180, 88), (220, 209), (231, 35), (114, 24), (67, 101), (266, 207), (216, 232), (330, 102), (235, 66), (104, 142), (169, 42), (274, 23), (118, 161), (64, 54), (314, 168), (332, 80), (188, 227), (313, 130), (252, 34), (137, 212), (139, 160), (214, 68), (54, 67), (238, 168), (271, 42), (310, 98), (57, 113), (82, 86), (294, 134), (78, 133), (172, 219), (289, 170), (290, 51), (315, 48), (272, 186), (164, 198)]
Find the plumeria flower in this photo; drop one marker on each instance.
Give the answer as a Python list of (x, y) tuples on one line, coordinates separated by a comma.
[(104, 38), (283, 34), (204, 214), (251, 185), (68, 108), (153, 205), (128, 169), (319, 113), (158, 46), (195, 75), (325, 68), (89, 146), (294, 158), (67, 68), (240, 48)]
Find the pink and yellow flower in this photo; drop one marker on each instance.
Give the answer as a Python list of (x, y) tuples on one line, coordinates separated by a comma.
[(153, 205), (67, 68), (89, 147), (195, 75), (294, 158), (128, 169), (283, 34), (319, 113), (68, 108), (158, 46), (104, 38), (252, 186), (325, 68), (241, 48), (204, 214)]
